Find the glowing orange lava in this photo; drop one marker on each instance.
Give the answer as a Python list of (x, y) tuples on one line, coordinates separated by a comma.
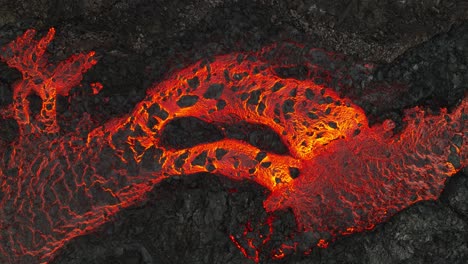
[(340, 177)]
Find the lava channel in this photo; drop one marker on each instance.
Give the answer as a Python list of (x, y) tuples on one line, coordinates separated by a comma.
[(340, 175)]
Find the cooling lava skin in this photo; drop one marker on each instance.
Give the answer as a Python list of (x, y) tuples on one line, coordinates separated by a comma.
[(340, 175)]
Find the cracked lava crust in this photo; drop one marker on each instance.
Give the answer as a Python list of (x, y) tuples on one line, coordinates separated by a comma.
[(340, 176)]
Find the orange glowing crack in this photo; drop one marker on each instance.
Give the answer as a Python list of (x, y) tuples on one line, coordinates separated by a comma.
[(340, 176)]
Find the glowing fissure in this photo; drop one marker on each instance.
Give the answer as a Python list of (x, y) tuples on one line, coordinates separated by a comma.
[(340, 177)]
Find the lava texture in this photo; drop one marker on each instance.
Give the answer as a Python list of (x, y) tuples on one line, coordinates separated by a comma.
[(340, 176)]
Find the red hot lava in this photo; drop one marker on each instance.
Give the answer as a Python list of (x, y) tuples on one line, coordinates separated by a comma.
[(340, 177)]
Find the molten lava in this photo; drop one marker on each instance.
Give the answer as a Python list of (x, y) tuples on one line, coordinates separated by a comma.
[(340, 176)]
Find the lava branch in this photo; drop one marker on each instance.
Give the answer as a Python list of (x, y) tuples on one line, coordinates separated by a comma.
[(340, 176), (38, 77), (233, 158)]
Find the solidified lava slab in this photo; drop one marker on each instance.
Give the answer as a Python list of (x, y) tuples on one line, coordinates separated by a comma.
[(340, 176)]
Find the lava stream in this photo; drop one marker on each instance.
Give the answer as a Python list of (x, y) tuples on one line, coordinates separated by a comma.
[(340, 176)]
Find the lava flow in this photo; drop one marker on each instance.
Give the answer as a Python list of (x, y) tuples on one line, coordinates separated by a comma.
[(340, 176)]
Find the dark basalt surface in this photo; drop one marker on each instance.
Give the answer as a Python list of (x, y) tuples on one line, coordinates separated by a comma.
[(421, 44)]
